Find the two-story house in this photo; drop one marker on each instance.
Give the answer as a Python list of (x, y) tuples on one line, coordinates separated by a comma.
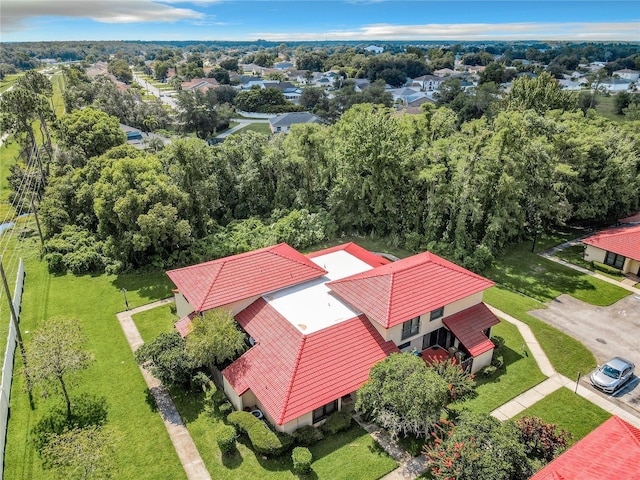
[(317, 323)]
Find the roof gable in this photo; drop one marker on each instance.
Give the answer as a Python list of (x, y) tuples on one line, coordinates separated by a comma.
[(227, 280), (610, 451), (621, 240), (468, 325), (357, 251), (291, 373), (394, 293)]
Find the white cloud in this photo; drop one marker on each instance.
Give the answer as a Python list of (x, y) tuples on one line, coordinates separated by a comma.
[(16, 13), (623, 31)]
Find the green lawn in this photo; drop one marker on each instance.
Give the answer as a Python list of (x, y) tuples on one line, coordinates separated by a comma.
[(569, 411), (143, 450), (519, 374), (606, 108), (152, 323), (525, 272), (352, 454), (567, 355), (8, 80), (255, 127)]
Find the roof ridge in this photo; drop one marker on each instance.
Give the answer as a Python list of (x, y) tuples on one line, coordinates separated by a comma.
[(310, 264), (211, 284), (293, 376), (633, 431)]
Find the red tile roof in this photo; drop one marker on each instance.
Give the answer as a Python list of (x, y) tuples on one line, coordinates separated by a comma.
[(357, 251), (632, 219), (624, 241), (291, 373), (184, 325), (610, 451), (399, 291), (230, 279), (468, 325)]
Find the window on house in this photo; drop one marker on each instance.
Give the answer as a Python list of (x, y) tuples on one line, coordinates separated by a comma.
[(324, 411), (410, 328), (614, 260), (436, 314), (402, 346)]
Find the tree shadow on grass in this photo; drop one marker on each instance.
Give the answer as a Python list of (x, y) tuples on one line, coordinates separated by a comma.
[(151, 286), (190, 403), (150, 400), (232, 460)]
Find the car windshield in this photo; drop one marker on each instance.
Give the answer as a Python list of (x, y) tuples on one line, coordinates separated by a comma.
[(610, 372)]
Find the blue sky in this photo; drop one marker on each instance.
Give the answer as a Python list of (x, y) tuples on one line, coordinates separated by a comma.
[(290, 20)]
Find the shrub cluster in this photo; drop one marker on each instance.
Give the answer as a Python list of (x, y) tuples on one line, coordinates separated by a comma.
[(307, 435), (301, 457), (226, 439), (336, 422), (263, 439), (606, 268)]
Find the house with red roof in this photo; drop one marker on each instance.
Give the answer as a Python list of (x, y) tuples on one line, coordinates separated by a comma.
[(618, 247), (317, 323), (610, 451)]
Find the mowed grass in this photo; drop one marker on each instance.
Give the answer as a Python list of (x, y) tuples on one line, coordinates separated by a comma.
[(255, 127), (519, 373), (522, 271), (152, 323), (349, 455), (606, 107), (8, 80), (567, 355), (575, 254), (569, 411), (143, 448)]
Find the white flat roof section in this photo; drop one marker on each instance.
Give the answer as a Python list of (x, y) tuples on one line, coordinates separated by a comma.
[(310, 306)]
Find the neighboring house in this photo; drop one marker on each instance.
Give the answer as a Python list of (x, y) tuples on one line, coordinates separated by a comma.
[(374, 49), (618, 247), (610, 451), (201, 84), (282, 123), (628, 74), (445, 72), (360, 84), (428, 82), (317, 323), (615, 85), (283, 65), (140, 139), (632, 220)]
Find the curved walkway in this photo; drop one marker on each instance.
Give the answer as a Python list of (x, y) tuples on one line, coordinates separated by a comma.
[(185, 448)]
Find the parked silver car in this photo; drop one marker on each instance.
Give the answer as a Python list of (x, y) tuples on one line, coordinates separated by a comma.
[(612, 375)]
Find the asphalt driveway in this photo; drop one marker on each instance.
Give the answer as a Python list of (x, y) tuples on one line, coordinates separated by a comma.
[(606, 331)]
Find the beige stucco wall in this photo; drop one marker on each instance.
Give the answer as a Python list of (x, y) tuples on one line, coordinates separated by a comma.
[(183, 307), (594, 254), (631, 266), (240, 305), (426, 326), (481, 361), (233, 397)]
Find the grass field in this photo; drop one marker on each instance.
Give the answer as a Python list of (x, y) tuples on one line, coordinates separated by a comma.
[(152, 323), (519, 374), (143, 450), (569, 411), (522, 271), (606, 108), (7, 81), (567, 355)]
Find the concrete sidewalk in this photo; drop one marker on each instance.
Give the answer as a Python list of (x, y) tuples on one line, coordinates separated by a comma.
[(182, 442)]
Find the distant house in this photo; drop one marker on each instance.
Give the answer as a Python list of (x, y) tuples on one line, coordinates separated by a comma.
[(428, 82), (610, 451), (283, 65), (201, 84), (282, 123), (617, 247), (140, 139), (374, 49), (615, 84), (445, 72), (628, 74), (318, 322)]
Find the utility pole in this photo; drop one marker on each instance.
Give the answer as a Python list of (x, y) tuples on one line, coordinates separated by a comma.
[(14, 320), (35, 214)]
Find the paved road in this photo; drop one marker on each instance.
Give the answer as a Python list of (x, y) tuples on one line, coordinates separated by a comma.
[(606, 331), (155, 91)]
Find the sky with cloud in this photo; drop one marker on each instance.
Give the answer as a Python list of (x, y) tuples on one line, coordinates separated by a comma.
[(290, 20)]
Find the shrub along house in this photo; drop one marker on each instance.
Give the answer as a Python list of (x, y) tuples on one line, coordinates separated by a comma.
[(318, 322)]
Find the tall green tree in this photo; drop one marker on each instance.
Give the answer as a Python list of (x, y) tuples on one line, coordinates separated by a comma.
[(215, 338), (92, 131)]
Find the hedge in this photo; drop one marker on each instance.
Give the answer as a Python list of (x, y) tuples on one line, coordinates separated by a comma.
[(301, 457), (307, 435), (336, 422), (263, 439), (606, 268), (226, 439)]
